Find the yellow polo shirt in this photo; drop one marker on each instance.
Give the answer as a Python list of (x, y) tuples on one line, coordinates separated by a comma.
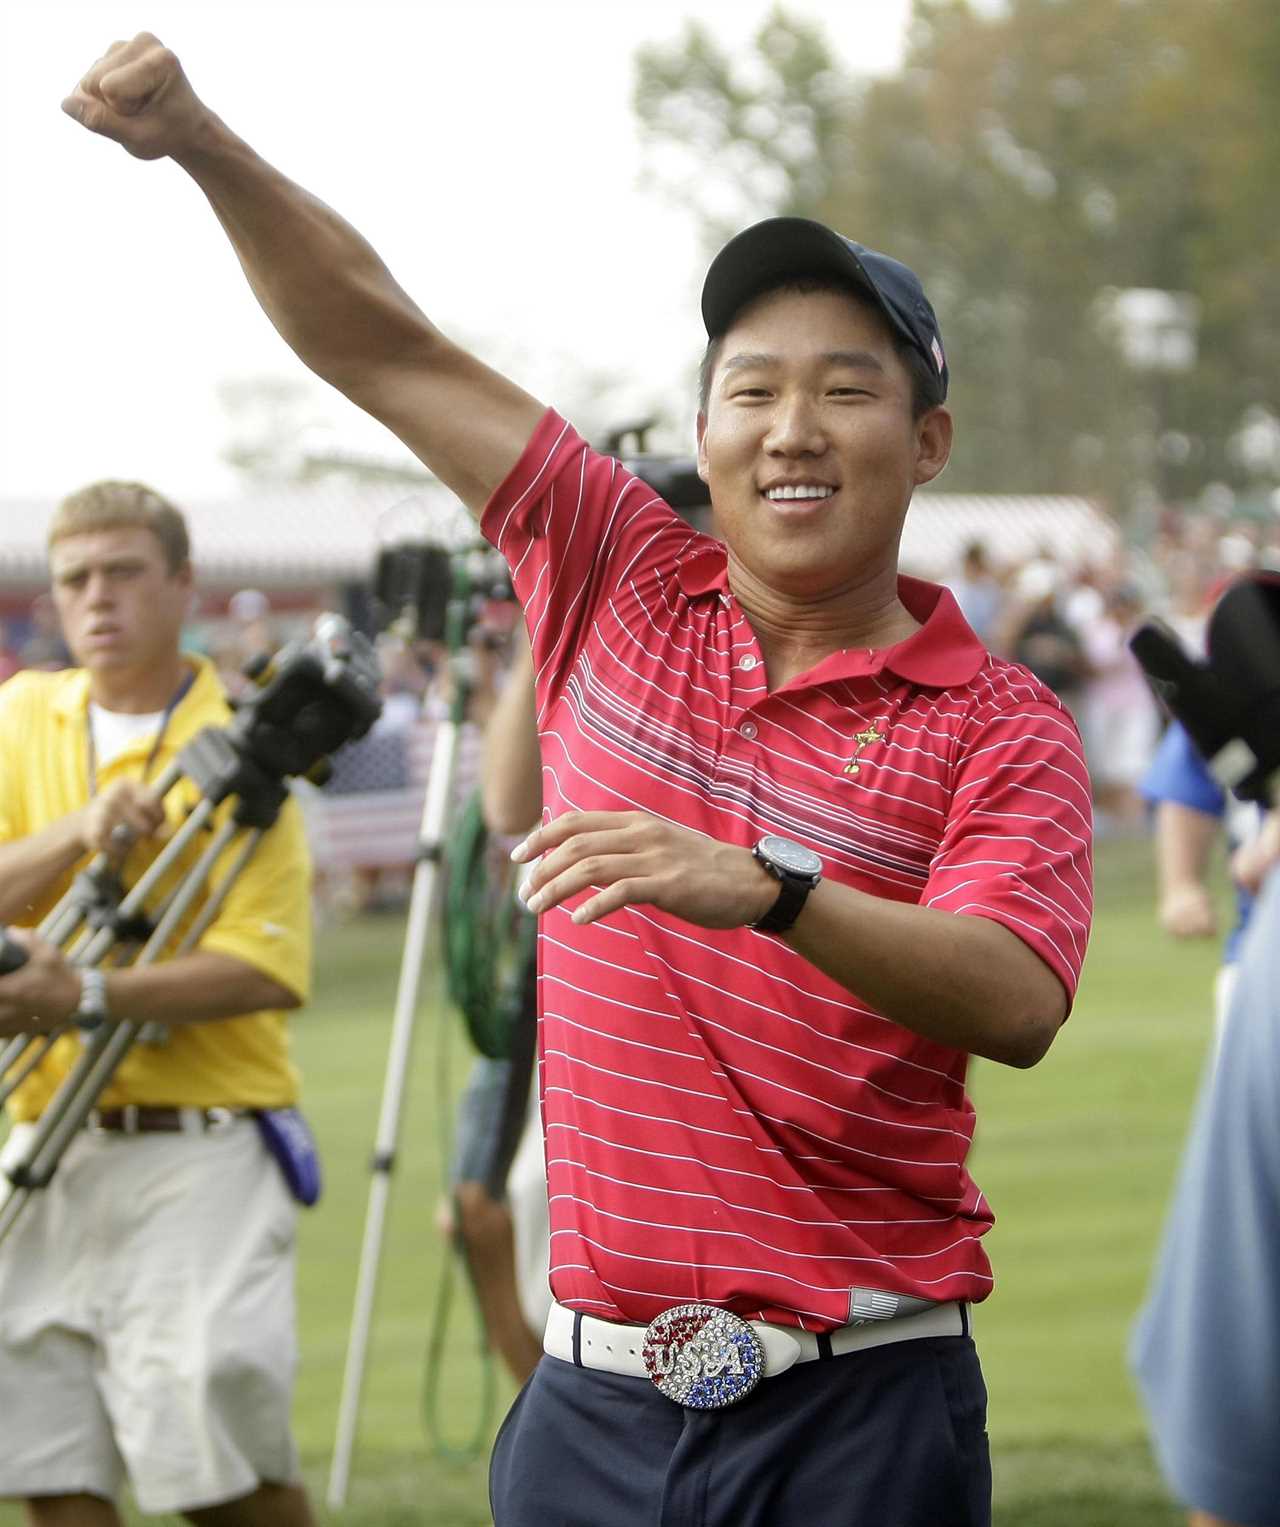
[(265, 921)]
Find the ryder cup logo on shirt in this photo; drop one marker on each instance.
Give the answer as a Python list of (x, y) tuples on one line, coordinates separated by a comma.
[(864, 740)]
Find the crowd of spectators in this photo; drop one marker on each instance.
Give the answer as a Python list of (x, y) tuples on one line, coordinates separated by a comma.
[(1068, 622)]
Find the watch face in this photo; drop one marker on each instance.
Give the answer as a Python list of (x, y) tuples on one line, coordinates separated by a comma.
[(790, 856)]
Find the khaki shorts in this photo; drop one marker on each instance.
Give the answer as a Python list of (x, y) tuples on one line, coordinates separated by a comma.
[(147, 1322)]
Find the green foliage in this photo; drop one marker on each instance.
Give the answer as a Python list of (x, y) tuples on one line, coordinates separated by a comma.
[(1027, 163), (773, 126)]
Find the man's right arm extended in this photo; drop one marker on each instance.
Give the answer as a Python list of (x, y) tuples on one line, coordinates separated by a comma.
[(320, 283)]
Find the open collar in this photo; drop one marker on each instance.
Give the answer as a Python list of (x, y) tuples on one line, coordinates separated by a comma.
[(944, 651)]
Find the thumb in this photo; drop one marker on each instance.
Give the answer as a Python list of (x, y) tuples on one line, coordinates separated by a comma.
[(88, 112)]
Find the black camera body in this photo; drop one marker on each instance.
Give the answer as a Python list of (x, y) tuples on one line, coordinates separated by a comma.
[(415, 584), (1229, 701)]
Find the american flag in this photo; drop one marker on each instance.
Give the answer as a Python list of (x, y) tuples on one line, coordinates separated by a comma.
[(369, 814)]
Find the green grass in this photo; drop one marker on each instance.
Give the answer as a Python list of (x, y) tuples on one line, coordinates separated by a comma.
[(1076, 1156)]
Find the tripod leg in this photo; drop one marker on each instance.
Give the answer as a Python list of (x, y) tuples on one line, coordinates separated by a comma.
[(421, 905)]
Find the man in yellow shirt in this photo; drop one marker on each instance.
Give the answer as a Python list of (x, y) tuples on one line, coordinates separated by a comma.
[(146, 1295)]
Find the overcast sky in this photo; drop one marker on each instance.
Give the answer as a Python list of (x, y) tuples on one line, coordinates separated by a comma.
[(487, 149)]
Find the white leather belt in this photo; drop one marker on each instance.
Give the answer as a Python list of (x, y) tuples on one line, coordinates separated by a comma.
[(629, 1350)]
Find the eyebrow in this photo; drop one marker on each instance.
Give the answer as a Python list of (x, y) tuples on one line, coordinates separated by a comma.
[(858, 360), (108, 564)]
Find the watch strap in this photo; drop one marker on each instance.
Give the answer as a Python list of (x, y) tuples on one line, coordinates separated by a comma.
[(792, 894), (91, 1010)]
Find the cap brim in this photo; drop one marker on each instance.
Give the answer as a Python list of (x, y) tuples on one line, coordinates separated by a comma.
[(770, 253)]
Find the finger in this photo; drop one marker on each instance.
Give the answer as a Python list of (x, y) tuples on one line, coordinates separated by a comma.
[(624, 893), (585, 851), (555, 832), (129, 87), (92, 78), (599, 870)]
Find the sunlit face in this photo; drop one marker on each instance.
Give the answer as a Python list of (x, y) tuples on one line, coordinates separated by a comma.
[(120, 606), (808, 443)]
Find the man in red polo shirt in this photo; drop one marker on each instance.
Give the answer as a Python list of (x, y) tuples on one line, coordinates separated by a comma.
[(806, 847)]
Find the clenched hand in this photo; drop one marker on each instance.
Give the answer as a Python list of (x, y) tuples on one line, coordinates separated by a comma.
[(138, 95)]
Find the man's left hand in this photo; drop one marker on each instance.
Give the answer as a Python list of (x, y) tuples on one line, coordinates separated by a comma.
[(639, 860), (41, 994)]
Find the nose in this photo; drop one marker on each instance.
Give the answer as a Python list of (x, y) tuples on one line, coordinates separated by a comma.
[(98, 590), (795, 427)]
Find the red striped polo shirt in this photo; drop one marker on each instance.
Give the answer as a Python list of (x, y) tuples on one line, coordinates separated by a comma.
[(723, 1121)]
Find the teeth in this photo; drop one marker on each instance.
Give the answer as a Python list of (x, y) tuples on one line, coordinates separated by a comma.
[(803, 491)]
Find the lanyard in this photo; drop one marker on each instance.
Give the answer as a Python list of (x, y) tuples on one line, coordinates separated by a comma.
[(174, 701)]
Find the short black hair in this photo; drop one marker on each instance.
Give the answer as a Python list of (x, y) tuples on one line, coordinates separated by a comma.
[(926, 384)]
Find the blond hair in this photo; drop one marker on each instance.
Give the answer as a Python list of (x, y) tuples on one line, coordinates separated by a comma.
[(106, 505)]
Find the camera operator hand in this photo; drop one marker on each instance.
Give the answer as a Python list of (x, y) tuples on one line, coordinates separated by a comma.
[(40, 994), (124, 811), (138, 95)]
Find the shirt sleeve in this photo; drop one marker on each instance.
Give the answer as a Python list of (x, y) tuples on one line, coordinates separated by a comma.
[(15, 745), (574, 526), (1178, 774), (266, 918), (1017, 845)]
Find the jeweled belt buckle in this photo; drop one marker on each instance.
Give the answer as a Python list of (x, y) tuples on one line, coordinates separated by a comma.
[(702, 1356)]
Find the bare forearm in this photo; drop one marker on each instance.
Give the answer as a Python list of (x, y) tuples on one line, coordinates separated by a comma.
[(1184, 842), (511, 780), (194, 988), (29, 866), (319, 281), (966, 982)]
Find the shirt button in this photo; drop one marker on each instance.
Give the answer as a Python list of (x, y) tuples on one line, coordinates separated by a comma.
[(749, 729), (748, 662)]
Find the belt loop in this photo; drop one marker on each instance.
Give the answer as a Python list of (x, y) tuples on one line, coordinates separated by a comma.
[(964, 1318), (577, 1338), (129, 1118), (824, 1345)]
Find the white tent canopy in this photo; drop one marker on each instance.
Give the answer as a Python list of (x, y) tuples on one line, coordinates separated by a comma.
[(330, 532)]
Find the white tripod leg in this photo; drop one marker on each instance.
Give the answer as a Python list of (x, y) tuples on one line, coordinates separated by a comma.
[(421, 907)]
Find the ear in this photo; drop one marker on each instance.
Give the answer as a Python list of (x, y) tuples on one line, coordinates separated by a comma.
[(702, 447), (934, 433)]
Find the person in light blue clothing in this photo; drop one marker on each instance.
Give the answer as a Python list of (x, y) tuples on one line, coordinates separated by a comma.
[(1206, 1349)]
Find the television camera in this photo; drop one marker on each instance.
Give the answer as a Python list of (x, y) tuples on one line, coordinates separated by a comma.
[(1229, 701)]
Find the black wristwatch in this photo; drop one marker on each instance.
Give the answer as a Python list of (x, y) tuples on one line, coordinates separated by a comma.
[(796, 869)]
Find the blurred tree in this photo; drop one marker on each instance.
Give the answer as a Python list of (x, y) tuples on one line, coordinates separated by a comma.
[(1029, 164)]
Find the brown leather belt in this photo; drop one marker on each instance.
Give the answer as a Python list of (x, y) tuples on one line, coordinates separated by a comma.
[(140, 1119)]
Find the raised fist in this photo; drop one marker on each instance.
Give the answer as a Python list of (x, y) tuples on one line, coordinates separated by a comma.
[(137, 94)]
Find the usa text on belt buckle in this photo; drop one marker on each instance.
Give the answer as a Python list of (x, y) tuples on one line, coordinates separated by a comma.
[(702, 1356)]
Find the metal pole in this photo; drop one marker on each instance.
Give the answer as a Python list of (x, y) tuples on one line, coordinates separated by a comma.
[(421, 906)]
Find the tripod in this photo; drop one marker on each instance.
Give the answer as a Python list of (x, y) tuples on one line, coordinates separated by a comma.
[(311, 698), (463, 579)]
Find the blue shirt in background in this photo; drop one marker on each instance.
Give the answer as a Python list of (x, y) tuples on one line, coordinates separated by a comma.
[(1206, 1349)]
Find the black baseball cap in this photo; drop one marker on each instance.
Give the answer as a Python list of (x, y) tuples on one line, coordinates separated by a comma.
[(784, 248)]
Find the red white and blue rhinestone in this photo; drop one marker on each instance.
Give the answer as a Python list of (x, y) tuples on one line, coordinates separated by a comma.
[(702, 1356)]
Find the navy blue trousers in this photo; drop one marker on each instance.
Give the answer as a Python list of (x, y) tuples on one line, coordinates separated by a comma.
[(891, 1437)]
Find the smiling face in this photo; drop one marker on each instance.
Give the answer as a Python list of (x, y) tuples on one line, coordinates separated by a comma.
[(120, 604), (809, 445)]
